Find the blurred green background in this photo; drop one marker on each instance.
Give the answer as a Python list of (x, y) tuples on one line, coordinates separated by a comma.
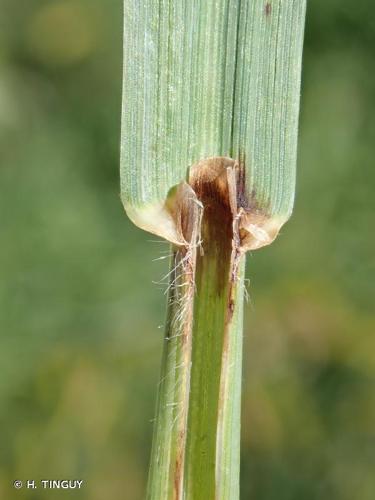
[(80, 346)]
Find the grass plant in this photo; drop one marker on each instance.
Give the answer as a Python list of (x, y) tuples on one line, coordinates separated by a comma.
[(208, 159)]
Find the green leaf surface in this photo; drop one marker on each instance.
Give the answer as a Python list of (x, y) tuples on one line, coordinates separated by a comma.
[(205, 79)]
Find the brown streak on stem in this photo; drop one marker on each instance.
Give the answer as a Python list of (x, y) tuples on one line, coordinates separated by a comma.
[(187, 213), (209, 180)]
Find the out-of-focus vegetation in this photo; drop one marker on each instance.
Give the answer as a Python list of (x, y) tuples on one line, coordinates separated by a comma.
[(80, 346)]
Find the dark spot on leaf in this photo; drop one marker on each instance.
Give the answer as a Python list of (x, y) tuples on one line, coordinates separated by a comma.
[(268, 9), (231, 306)]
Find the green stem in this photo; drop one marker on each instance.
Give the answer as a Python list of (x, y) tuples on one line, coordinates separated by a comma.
[(167, 456), (213, 439), (196, 443)]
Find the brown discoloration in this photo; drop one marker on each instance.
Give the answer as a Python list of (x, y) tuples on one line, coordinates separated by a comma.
[(183, 207), (230, 213), (209, 181), (177, 479), (217, 181), (178, 471), (255, 227), (231, 306), (242, 200), (186, 211), (268, 9), (229, 314)]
